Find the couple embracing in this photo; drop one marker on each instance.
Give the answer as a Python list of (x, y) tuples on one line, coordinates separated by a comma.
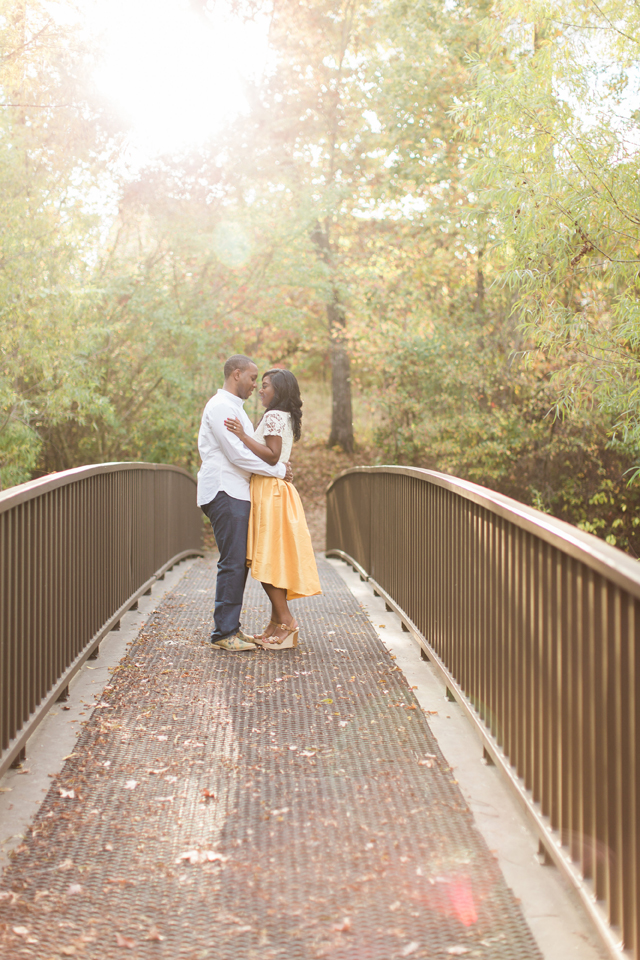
[(245, 488)]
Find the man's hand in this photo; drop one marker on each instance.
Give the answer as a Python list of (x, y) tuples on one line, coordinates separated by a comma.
[(289, 474)]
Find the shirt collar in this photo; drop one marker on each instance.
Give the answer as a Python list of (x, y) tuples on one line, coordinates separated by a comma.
[(232, 397)]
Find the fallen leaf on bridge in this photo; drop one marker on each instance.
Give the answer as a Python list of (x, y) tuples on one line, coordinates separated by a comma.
[(409, 949), (202, 856), (125, 941)]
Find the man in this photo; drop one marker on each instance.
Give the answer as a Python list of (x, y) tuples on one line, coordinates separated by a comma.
[(223, 494)]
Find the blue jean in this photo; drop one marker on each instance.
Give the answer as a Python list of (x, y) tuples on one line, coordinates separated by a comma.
[(230, 521)]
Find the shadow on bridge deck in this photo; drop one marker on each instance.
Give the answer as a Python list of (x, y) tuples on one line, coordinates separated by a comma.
[(291, 804)]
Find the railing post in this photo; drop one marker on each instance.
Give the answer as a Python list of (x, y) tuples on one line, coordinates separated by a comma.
[(77, 549), (534, 627)]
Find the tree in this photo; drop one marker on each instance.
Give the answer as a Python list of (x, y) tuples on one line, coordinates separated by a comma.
[(54, 145), (560, 170), (308, 139)]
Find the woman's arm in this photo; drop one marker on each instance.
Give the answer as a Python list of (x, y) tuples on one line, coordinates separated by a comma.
[(269, 451)]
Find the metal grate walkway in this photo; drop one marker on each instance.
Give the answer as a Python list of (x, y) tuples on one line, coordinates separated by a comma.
[(262, 805)]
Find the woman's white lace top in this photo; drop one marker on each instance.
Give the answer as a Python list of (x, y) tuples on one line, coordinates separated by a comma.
[(276, 423)]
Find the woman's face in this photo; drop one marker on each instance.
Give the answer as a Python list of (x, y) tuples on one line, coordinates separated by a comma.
[(267, 393)]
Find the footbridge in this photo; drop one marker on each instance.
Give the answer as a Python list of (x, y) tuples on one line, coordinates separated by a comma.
[(297, 803)]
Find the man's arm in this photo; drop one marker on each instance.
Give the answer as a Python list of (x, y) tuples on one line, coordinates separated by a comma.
[(237, 453)]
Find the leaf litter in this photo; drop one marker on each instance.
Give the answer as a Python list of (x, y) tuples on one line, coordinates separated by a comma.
[(240, 781)]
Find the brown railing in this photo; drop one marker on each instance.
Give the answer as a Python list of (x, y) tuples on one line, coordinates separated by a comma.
[(535, 629), (77, 549)]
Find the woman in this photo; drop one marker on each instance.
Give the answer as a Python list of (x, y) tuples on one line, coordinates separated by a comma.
[(279, 549)]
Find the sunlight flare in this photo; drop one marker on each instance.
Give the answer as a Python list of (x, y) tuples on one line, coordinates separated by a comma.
[(173, 73)]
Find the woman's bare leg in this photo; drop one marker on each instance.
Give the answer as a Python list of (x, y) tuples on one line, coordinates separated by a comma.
[(280, 612), (271, 626), (274, 619)]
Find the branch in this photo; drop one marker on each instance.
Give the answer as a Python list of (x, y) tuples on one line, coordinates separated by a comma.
[(41, 106), (621, 32)]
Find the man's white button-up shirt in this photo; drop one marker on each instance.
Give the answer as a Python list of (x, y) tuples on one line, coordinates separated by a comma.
[(226, 463)]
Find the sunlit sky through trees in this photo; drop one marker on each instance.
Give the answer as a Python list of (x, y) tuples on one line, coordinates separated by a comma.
[(172, 71)]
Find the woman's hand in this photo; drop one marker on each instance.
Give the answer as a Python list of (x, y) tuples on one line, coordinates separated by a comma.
[(234, 426)]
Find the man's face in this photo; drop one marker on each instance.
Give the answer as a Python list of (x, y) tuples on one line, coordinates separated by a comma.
[(247, 381)]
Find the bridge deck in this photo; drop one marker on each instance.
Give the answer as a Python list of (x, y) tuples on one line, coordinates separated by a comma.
[(263, 805)]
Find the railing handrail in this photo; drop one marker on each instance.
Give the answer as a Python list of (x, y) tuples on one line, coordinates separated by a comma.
[(22, 492), (77, 550), (600, 556), (534, 627)]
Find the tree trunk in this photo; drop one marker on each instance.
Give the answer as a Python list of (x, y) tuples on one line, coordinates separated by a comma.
[(341, 433), (479, 284), (341, 414)]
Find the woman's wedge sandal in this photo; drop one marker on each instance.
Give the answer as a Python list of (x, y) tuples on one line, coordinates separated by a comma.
[(289, 640), (264, 634)]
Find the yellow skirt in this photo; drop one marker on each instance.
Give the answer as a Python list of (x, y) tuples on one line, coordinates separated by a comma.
[(279, 547)]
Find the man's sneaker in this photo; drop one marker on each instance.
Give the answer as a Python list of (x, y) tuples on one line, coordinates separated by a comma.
[(235, 643), (249, 638)]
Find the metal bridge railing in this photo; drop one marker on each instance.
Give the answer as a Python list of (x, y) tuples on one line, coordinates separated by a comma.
[(535, 628), (77, 549)]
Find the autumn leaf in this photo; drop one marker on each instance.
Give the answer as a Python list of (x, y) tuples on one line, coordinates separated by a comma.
[(409, 949), (202, 856), (125, 941)]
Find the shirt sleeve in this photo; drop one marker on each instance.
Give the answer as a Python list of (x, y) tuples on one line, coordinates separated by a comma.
[(235, 450), (274, 424)]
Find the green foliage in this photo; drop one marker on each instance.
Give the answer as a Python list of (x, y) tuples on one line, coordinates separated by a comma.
[(447, 191), (452, 405), (554, 102), (53, 149)]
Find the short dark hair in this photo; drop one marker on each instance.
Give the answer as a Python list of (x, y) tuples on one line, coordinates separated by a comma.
[(237, 362), (286, 396)]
